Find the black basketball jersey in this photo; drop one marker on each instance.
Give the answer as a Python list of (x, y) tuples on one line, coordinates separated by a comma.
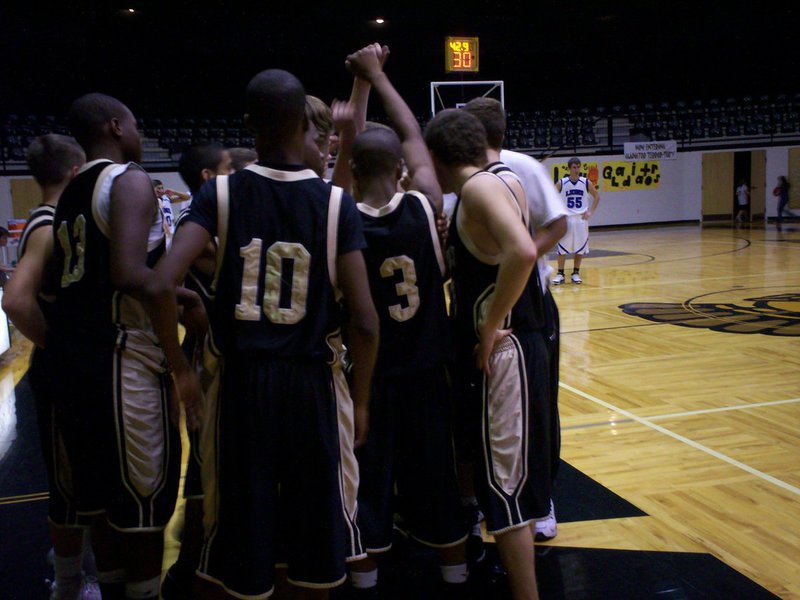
[(196, 280), (41, 216), (474, 283), (86, 302), (405, 267), (280, 232)]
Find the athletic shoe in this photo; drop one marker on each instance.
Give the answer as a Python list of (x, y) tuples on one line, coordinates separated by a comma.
[(558, 279), (576, 278), (546, 529)]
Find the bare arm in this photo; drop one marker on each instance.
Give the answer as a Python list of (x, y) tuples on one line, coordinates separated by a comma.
[(350, 118), (362, 330), (548, 236), (596, 200), (21, 292), (483, 203), (558, 186), (132, 211), (367, 64)]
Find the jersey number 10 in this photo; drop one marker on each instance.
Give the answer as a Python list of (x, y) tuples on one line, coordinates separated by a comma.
[(278, 255)]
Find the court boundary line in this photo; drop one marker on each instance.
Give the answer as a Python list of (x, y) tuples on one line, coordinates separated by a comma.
[(723, 409), (696, 445)]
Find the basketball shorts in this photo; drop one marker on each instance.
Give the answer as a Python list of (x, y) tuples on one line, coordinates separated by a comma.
[(276, 479), (62, 508), (407, 464), (509, 412), (576, 240), (111, 409)]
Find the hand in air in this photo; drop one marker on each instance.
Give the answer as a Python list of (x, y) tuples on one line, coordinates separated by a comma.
[(367, 62)]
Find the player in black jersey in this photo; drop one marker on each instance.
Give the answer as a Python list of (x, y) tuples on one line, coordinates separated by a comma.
[(53, 160), (498, 338), (409, 450), (278, 478), (197, 165), (548, 224), (112, 374)]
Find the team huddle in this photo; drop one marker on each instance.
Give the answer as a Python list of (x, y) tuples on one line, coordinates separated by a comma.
[(358, 352)]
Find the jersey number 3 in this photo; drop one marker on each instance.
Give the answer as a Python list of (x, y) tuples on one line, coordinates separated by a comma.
[(407, 287), (73, 245), (287, 263)]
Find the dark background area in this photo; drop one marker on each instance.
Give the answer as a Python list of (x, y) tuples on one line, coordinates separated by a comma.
[(182, 59)]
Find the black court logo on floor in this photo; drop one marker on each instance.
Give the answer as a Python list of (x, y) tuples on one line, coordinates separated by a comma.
[(729, 311)]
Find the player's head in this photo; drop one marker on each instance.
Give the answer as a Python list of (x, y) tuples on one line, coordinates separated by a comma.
[(456, 138), (320, 116), (200, 163), (241, 157), (54, 159), (493, 118), (3, 236), (275, 103), (377, 153), (574, 166), (158, 187), (101, 122)]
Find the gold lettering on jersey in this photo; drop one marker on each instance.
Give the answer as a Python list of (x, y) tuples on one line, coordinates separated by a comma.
[(407, 287), (247, 310), (275, 279), (74, 245)]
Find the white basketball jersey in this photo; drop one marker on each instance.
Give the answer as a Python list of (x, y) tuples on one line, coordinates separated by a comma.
[(576, 195)]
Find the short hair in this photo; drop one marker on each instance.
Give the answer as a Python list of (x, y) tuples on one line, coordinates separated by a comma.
[(573, 161), (241, 157), (320, 114), (275, 102), (3, 232), (89, 113), (376, 151), (156, 182), (196, 158), (493, 118), (455, 138), (51, 157)]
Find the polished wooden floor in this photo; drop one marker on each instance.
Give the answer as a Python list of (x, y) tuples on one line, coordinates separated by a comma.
[(699, 428), (680, 392)]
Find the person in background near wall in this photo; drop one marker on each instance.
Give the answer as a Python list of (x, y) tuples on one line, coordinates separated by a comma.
[(575, 191), (5, 270), (742, 199), (782, 192)]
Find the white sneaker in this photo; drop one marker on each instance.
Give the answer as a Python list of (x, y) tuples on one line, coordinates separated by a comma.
[(576, 278), (547, 529), (558, 279)]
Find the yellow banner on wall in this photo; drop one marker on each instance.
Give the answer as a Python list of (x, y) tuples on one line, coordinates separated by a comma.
[(622, 176), (590, 170)]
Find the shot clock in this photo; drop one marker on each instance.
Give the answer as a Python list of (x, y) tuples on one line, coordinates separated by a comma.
[(461, 54)]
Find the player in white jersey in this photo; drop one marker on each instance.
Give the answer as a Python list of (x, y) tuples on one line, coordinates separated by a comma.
[(575, 192)]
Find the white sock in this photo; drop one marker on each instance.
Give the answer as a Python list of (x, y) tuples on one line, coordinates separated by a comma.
[(455, 573), (136, 590), (364, 579)]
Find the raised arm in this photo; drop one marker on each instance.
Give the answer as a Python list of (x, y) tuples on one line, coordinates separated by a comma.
[(367, 64)]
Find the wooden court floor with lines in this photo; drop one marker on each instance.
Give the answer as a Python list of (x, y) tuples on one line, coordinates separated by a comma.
[(680, 393)]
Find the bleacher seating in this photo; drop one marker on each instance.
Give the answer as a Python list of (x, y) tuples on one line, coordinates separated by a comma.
[(697, 123)]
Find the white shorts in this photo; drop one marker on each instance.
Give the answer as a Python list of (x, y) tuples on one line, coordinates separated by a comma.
[(576, 240)]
